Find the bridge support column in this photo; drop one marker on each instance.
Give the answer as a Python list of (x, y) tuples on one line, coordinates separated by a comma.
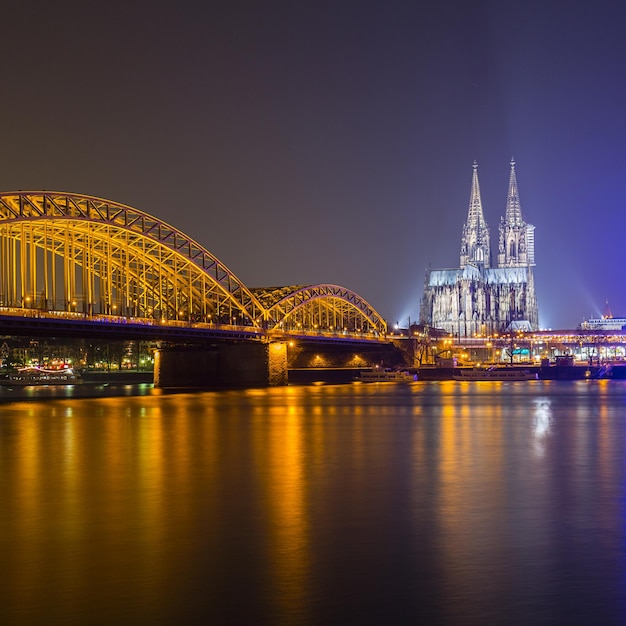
[(223, 366)]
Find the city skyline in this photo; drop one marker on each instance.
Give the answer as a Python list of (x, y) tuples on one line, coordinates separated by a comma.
[(333, 144)]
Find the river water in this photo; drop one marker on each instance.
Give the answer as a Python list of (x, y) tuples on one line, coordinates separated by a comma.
[(424, 503)]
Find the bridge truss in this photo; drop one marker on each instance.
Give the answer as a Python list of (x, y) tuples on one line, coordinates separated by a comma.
[(74, 254), (326, 307)]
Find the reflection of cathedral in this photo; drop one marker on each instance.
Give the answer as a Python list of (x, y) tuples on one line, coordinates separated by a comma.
[(477, 298)]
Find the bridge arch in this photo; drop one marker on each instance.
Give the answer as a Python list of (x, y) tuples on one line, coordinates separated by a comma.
[(319, 307), (76, 253)]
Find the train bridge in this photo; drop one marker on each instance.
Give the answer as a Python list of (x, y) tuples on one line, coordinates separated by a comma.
[(77, 265)]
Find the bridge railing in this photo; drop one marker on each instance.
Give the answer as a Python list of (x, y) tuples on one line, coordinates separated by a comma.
[(229, 329)]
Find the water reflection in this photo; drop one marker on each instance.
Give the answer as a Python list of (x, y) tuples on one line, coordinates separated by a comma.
[(541, 423), (439, 502)]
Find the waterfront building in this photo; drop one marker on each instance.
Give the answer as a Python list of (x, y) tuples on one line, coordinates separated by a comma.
[(606, 322), (476, 298)]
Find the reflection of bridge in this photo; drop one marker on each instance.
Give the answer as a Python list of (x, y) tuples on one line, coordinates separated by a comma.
[(84, 260), (74, 265)]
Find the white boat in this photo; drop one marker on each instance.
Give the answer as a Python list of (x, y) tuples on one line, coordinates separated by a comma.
[(494, 373), (40, 376), (384, 375)]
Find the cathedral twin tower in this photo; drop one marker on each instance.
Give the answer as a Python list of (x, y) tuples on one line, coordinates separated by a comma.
[(476, 298)]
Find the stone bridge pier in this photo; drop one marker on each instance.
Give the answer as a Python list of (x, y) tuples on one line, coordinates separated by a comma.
[(221, 366)]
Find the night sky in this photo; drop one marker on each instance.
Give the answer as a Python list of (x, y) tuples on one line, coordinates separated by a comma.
[(311, 142)]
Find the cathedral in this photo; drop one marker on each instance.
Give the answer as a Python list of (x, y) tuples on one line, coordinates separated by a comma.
[(476, 298)]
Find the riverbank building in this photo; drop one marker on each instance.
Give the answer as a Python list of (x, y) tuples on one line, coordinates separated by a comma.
[(477, 298)]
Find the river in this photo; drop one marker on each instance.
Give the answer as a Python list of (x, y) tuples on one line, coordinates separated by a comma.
[(421, 503)]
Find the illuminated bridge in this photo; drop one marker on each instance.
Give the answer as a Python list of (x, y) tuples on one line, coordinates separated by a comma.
[(80, 258), (78, 265)]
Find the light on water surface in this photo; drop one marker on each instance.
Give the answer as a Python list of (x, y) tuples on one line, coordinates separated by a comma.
[(441, 502)]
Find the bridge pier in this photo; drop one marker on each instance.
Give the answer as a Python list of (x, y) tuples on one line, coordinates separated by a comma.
[(222, 366)]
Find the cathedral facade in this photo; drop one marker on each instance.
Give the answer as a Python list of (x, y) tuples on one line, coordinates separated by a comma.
[(477, 298)]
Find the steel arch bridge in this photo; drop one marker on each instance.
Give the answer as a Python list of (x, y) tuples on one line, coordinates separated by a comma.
[(326, 307), (73, 254)]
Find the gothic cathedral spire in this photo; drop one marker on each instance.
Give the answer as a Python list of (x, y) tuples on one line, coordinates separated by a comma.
[(516, 246), (477, 298), (513, 215), (475, 239)]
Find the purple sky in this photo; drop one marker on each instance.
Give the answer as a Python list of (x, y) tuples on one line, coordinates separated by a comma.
[(332, 142)]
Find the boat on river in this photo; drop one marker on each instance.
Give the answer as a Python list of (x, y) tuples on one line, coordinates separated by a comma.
[(494, 373), (385, 375), (41, 376)]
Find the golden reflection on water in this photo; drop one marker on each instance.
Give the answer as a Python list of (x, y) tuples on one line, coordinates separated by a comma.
[(471, 468), (287, 499), (144, 506)]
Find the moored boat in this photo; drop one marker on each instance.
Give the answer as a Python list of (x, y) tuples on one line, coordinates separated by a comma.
[(494, 373), (40, 376), (385, 375)]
